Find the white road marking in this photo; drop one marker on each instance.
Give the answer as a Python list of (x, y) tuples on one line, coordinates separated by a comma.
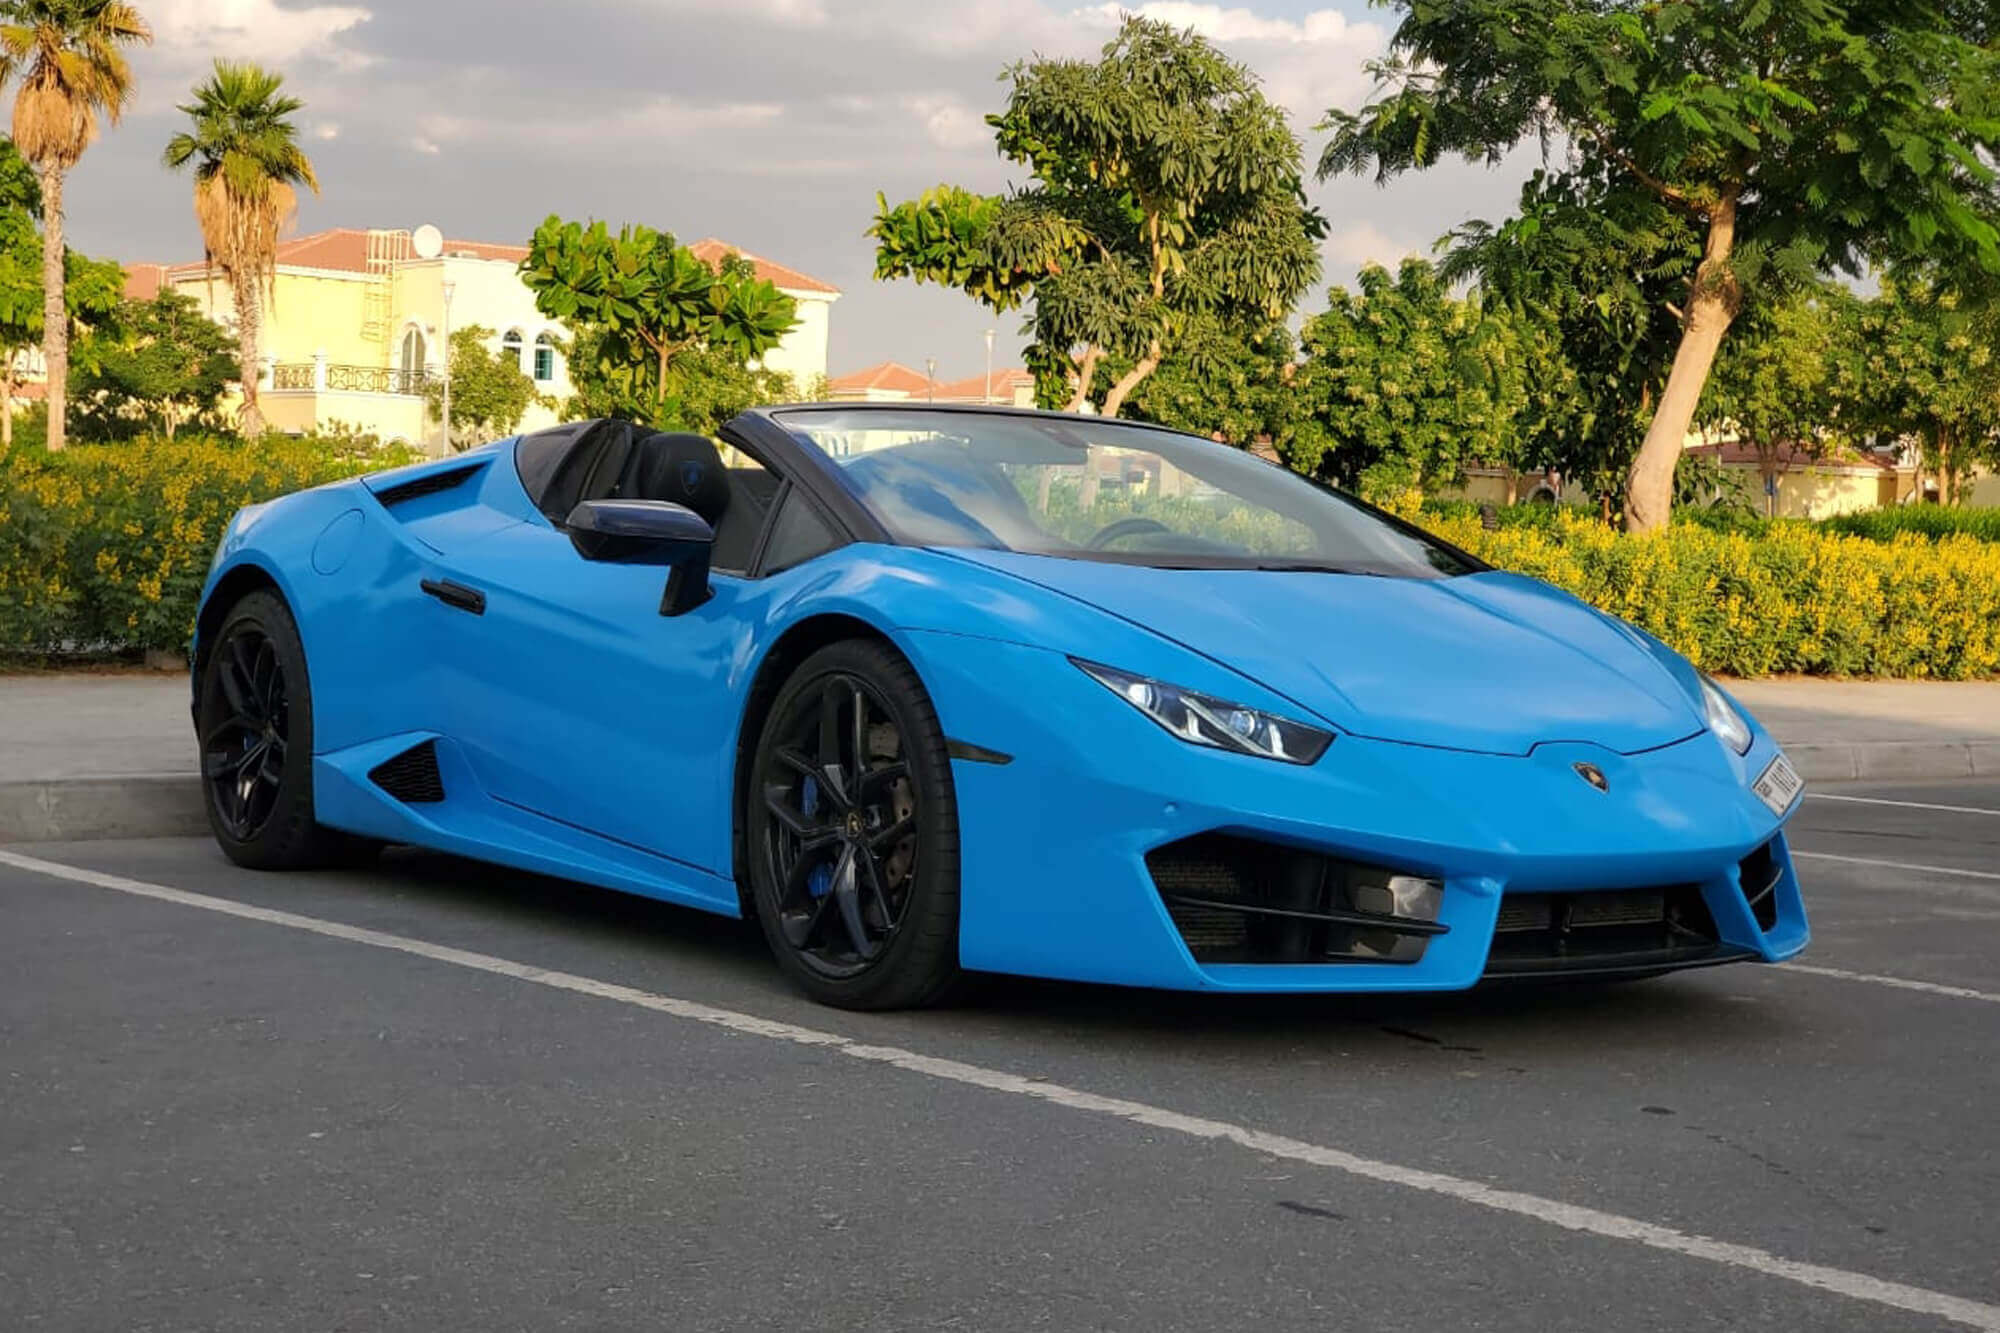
[(1900, 983), (1903, 805), (1554, 1212), (1953, 871)]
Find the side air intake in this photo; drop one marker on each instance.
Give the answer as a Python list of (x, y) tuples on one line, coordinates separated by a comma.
[(411, 777), (431, 483)]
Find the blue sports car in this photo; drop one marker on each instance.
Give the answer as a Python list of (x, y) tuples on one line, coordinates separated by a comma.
[(926, 689)]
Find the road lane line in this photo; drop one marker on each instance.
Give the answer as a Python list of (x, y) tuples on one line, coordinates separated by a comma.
[(1903, 805), (1553, 1212), (1900, 983), (1897, 865)]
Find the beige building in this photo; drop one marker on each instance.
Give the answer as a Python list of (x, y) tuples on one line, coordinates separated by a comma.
[(357, 324)]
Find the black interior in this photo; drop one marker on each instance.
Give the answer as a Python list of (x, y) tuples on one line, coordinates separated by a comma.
[(616, 460)]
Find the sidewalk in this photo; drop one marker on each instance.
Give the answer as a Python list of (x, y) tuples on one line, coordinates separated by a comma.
[(114, 755), (1841, 730)]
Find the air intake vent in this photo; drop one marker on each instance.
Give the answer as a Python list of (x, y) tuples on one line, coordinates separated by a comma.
[(431, 483), (412, 776)]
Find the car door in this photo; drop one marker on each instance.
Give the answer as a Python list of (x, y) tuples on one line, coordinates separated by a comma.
[(576, 700)]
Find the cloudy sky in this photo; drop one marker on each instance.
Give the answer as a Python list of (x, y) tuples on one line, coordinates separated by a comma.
[(770, 123)]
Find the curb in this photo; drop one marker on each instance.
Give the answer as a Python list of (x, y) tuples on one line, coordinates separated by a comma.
[(169, 805), (1893, 760), (164, 805)]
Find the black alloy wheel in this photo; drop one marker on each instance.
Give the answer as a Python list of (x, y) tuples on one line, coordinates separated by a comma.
[(853, 832), (253, 718), (243, 754)]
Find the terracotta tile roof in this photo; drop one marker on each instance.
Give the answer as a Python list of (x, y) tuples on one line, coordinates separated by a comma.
[(1791, 457), (973, 390), (345, 250), (711, 250), (889, 376)]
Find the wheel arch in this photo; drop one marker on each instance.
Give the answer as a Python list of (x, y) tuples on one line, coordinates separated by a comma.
[(798, 642), (235, 583)]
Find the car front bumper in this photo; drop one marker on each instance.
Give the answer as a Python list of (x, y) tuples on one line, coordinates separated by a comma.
[(1055, 843)]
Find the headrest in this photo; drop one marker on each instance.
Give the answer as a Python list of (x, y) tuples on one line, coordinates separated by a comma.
[(680, 467)]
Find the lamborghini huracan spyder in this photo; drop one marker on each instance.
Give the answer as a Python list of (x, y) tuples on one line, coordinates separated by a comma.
[(926, 689)]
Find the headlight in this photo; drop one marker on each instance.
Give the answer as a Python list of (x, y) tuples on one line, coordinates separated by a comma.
[(1728, 725), (1202, 720)]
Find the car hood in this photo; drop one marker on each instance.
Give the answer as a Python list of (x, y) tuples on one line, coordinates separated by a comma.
[(1492, 662)]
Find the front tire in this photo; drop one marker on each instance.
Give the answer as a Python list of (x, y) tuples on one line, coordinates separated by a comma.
[(254, 720), (852, 827)]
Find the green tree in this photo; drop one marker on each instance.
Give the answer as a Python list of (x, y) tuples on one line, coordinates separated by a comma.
[(154, 365), (1800, 138), (1224, 381), (70, 58), (638, 300), (1404, 384), (247, 161), (1166, 190), (1593, 279), (92, 288), (706, 386), (1929, 373), (1776, 386), (489, 392)]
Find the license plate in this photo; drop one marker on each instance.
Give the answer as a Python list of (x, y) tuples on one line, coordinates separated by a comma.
[(1779, 786)]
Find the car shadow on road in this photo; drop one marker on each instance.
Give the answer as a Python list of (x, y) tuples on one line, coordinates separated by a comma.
[(623, 930)]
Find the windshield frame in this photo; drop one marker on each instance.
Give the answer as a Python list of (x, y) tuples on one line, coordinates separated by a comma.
[(781, 420)]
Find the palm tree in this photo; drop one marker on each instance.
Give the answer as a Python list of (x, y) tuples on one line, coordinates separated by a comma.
[(69, 54), (247, 159)]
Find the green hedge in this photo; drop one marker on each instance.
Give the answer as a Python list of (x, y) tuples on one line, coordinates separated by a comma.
[(1922, 520), (1791, 599), (104, 548)]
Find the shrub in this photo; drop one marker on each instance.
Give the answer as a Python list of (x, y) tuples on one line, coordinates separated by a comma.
[(1923, 520), (104, 548), (1791, 598)]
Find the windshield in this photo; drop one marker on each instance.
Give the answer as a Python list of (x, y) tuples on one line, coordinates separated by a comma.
[(1088, 489)]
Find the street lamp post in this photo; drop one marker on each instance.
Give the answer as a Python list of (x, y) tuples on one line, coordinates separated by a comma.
[(449, 288), (989, 367)]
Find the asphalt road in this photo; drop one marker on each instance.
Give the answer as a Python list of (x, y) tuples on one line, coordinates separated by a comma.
[(524, 1104)]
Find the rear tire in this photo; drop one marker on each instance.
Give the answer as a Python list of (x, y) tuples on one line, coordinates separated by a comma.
[(852, 832), (255, 728)]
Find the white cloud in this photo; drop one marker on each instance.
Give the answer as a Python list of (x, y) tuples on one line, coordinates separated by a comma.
[(1362, 243), (949, 123), (326, 132), (261, 30)]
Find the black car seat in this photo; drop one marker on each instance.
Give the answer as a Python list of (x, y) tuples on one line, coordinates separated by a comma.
[(678, 467), (686, 469)]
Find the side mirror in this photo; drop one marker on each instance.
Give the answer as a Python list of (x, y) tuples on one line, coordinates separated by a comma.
[(648, 532)]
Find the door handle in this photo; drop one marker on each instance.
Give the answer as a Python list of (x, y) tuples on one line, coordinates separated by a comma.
[(456, 594)]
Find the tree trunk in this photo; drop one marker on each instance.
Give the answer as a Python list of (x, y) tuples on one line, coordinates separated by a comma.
[(55, 317), (1086, 371), (249, 348), (1513, 488), (7, 405), (1148, 363), (1649, 487)]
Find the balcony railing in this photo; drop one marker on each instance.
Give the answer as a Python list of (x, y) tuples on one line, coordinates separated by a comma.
[(316, 377)]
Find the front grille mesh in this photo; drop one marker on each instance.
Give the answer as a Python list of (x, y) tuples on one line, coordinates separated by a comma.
[(1601, 930)]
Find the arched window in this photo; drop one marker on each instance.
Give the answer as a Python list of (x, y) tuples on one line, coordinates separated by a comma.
[(413, 360), (545, 359), (510, 347)]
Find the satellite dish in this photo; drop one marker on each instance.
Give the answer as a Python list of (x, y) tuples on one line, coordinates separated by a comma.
[(427, 241)]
